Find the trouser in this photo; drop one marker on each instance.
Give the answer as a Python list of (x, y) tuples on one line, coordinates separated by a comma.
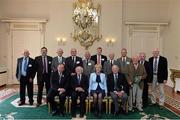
[(115, 100), (145, 93), (24, 81), (45, 80), (50, 98), (155, 84), (137, 95), (74, 97)]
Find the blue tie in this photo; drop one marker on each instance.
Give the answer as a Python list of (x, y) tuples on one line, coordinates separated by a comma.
[(25, 64)]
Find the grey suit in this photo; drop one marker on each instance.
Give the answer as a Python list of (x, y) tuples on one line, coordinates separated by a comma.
[(88, 67), (107, 67), (55, 63), (123, 65)]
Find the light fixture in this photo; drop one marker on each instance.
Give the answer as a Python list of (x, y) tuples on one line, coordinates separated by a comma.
[(110, 41), (61, 40)]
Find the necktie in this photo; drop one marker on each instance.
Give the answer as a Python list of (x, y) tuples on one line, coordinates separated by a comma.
[(87, 62), (25, 64), (115, 81), (111, 63), (79, 79), (60, 75), (155, 66), (99, 60), (124, 62), (44, 65), (74, 60), (60, 60)]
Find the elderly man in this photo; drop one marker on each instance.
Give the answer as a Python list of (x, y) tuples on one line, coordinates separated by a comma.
[(158, 74), (59, 59), (142, 61), (59, 86), (108, 64), (79, 85), (88, 64), (25, 74), (118, 88), (43, 68), (123, 61), (136, 73)]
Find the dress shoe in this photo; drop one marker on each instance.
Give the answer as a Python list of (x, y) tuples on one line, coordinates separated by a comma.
[(74, 115), (62, 113), (38, 104), (21, 103), (54, 112), (124, 112), (81, 116), (161, 107), (31, 103)]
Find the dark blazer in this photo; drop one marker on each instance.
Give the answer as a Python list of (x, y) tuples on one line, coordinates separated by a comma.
[(103, 59), (55, 63), (30, 69), (83, 83), (122, 83), (70, 67), (39, 66), (162, 69), (55, 81)]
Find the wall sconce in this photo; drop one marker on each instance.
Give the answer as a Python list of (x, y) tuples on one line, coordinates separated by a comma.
[(61, 40), (110, 41)]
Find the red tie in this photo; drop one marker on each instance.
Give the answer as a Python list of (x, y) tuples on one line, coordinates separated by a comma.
[(99, 60)]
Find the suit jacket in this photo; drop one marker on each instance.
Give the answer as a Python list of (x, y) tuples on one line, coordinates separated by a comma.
[(39, 66), (123, 69), (103, 59), (83, 82), (88, 69), (107, 68), (162, 69), (64, 83), (122, 83), (70, 66), (55, 63), (30, 73), (147, 68), (93, 84), (131, 72)]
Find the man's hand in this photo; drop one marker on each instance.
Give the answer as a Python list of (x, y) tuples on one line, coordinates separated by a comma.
[(165, 81), (73, 74), (30, 80), (116, 92), (120, 94), (79, 89)]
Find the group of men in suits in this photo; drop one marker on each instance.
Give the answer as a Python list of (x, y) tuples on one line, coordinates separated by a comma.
[(126, 77)]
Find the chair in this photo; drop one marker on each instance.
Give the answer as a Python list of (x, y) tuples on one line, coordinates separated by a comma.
[(119, 100), (57, 100), (105, 100), (78, 101)]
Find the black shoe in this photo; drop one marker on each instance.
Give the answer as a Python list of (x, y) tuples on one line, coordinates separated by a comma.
[(115, 113), (38, 104), (96, 114), (54, 112), (62, 113), (81, 116), (161, 107), (74, 115), (21, 103), (124, 112), (31, 103)]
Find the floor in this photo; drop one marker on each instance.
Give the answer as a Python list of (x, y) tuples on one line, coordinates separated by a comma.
[(174, 96)]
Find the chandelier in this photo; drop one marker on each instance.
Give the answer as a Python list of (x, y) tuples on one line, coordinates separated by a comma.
[(86, 22)]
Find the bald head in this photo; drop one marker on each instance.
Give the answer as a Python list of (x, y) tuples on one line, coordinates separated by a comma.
[(73, 52), (142, 56), (111, 56), (115, 69), (155, 52), (135, 59), (59, 52), (26, 53), (87, 55)]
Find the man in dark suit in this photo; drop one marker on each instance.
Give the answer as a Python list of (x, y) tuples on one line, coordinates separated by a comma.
[(142, 57), (59, 86), (158, 74), (72, 62), (118, 88), (25, 73), (109, 63), (59, 59), (79, 85), (43, 69), (99, 58)]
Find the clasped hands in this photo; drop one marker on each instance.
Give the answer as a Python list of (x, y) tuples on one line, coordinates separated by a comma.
[(61, 90), (79, 89)]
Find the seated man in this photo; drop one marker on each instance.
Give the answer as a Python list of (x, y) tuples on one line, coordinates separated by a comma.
[(79, 84), (118, 88), (59, 85)]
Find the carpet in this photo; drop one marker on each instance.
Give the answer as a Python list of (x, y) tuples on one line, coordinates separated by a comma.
[(9, 111)]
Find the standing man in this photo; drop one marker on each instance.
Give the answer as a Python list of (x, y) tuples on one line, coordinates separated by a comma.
[(72, 62), (136, 73), (158, 74), (25, 73), (59, 86), (99, 58), (123, 61), (43, 69), (59, 59), (142, 61), (88, 64), (79, 85), (109, 63), (118, 88)]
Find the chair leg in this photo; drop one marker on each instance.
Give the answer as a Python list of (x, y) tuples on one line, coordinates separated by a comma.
[(66, 105), (70, 106), (86, 106), (110, 102), (106, 107), (89, 106), (49, 107)]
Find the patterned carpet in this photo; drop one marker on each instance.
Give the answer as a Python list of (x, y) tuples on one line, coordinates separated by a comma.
[(6, 93)]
